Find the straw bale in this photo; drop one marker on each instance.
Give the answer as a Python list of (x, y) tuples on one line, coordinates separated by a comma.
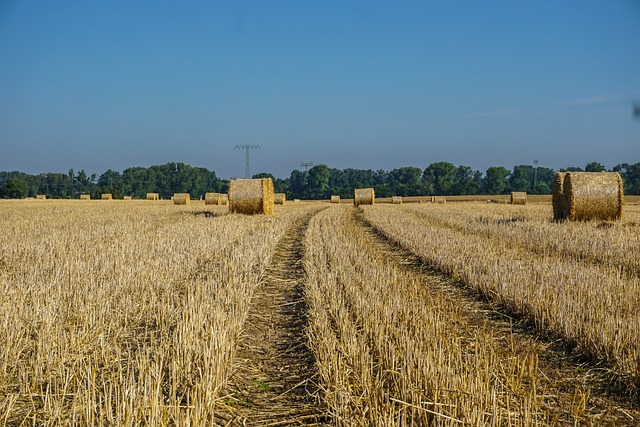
[(106, 196), (279, 198), (41, 197), (518, 198), (396, 200), (593, 195), (85, 197), (439, 199), (296, 200), (212, 198), (251, 196), (224, 199), (181, 199), (126, 198), (335, 199), (557, 197), (153, 196), (364, 196)]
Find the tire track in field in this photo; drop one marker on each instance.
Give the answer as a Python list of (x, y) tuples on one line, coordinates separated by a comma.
[(274, 384), (562, 374)]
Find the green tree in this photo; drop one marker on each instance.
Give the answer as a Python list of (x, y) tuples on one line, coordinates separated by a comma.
[(14, 188), (467, 181), (318, 182), (439, 178), (595, 167), (496, 180)]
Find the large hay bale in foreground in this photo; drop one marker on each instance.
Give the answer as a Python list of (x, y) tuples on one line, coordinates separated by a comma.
[(396, 200), (153, 196), (335, 199), (41, 197), (279, 198), (557, 197), (181, 198), (212, 198), (364, 196), (593, 195), (251, 196), (106, 196), (85, 197), (518, 198)]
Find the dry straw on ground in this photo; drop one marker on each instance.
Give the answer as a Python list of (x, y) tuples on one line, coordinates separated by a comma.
[(251, 196), (212, 198), (153, 196), (364, 196), (181, 199), (106, 196), (518, 198), (593, 195), (279, 198), (557, 198), (85, 197), (396, 200), (335, 199), (41, 197)]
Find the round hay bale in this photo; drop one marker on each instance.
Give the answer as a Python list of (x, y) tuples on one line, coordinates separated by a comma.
[(557, 197), (279, 198), (212, 198), (106, 196), (364, 196), (593, 195), (224, 199), (396, 200), (41, 197), (85, 197), (153, 196), (127, 198), (181, 199), (518, 198), (439, 199), (251, 196), (335, 199)]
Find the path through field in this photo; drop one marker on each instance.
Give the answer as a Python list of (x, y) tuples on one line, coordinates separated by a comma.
[(274, 384), (574, 392)]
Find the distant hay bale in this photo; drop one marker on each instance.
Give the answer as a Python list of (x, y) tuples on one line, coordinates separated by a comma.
[(557, 197), (224, 199), (296, 200), (439, 199), (106, 196), (153, 196), (518, 198), (212, 198), (181, 199), (335, 199), (396, 200), (41, 197), (593, 195), (85, 197), (126, 198), (251, 196), (364, 196), (279, 198)]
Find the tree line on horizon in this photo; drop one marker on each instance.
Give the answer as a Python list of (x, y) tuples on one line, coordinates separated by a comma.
[(319, 182)]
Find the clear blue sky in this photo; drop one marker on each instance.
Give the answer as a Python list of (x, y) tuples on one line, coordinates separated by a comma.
[(99, 85)]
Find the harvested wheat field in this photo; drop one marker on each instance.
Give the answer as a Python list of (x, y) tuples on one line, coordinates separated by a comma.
[(466, 314)]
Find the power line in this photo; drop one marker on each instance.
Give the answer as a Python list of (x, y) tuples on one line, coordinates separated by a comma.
[(247, 148), (306, 165)]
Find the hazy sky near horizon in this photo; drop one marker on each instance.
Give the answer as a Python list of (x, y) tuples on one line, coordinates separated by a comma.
[(100, 85)]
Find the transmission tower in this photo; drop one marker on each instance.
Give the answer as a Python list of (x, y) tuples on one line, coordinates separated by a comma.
[(306, 165), (247, 148)]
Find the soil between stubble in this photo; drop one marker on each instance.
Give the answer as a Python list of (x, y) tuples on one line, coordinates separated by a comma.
[(274, 384)]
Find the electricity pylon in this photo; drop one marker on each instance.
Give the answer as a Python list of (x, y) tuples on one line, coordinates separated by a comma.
[(306, 165), (247, 148)]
